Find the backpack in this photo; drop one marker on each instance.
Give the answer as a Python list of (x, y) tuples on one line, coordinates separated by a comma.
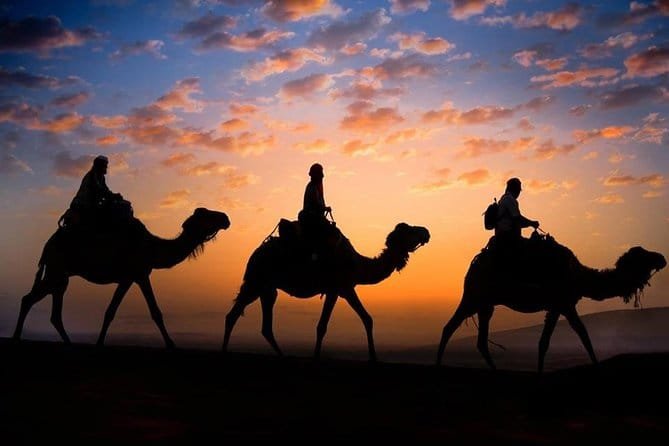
[(490, 215)]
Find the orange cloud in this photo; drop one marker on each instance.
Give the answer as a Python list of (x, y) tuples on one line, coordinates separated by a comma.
[(611, 132), (107, 140), (402, 67), (475, 146), (552, 64), (649, 63), (179, 96), (407, 6), (60, 124), (366, 90), (601, 50), (353, 49), (652, 194), (316, 146), (294, 10), (176, 199), (109, 122), (246, 42), (243, 109), (654, 180), (548, 150), (590, 156), (565, 19), (651, 131), (419, 43), (463, 9), (233, 125), (363, 117), (475, 177), (285, 61), (610, 199), (177, 159), (401, 136), (583, 77), (305, 86), (476, 115), (358, 148)]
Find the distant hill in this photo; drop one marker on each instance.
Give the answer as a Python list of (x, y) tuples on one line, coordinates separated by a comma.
[(611, 333)]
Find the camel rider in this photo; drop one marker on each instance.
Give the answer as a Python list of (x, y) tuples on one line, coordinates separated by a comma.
[(312, 217), (510, 222), (94, 201)]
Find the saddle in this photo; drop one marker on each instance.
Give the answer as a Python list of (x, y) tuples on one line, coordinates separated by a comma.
[(317, 244)]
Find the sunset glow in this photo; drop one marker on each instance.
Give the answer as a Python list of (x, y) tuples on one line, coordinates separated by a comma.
[(419, 111)]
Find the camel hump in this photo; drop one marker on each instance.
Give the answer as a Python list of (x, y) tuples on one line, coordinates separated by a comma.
[(289, 230)]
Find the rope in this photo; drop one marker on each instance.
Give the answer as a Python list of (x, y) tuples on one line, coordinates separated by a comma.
[(270, 234), (490, 341)]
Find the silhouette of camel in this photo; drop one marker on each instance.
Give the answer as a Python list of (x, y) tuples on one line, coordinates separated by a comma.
[(550, 279), (123, 257), (276, 264)]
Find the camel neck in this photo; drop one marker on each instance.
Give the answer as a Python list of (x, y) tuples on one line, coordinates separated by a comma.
[(374, 270), (605, 284), (168, 253)]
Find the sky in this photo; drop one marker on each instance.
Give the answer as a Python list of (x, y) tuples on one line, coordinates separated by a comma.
[(419, 111)]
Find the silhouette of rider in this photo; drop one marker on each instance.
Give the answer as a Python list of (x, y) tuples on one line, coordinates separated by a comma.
[(95, 202), (312, 217), (510, 222)]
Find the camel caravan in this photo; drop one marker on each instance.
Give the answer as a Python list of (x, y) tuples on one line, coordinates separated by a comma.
[(99, 239)]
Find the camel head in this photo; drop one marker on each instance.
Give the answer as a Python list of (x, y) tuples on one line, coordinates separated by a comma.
[(405, 239), (205, 224), (637, 266)]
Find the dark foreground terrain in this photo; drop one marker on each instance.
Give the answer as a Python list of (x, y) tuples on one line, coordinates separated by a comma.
[(56, 394)]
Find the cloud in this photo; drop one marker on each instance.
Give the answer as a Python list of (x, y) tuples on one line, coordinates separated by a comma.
[(579, 110), (237, 108), (176, 199), (408, 6), (109, 122), (539, 103), (363, 117), (295, 10), (353, 49), (70, 100), (177, 159), (246, 143), (582, 77), (477, 115), (338, 34), (552, 64), (64, 165), (409, 66), (525, 124), (630, 95), (441, 182), (285, 61), (34, 34), (463, 9), (10, 165), (653, 180), (420, 43), (548, 150), (30, 118), (475, 147), (232, 179), (610, 132), (651, 131), (525, 57), (234, 125), (107, 140), (610, 198), (590, 156), (358, 147), (316, 146), (404, 135), (475, 177), (652, 194), (649, 63), (22, 78), (366, 90), (605, 49), (206, 25), (306, 86), (179, 96), (245, 42), (539, 186), (152, 47), (638, 12), (565, 19)]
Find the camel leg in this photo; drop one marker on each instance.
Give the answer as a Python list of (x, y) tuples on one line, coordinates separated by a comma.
[(37, 293), (245, 297), (576, 323), (57, 309), (461, 313), (119, 293), (354, 301), (322, 328), (485, 313), (156, 314), (267, 301), (549, 325)]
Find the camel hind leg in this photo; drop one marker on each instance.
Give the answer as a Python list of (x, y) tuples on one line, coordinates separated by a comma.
[(38, 292), (463, 311), (247, 295)]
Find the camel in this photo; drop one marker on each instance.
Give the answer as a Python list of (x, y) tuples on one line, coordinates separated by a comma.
[(277, 264), (123, 256), (550, 278)]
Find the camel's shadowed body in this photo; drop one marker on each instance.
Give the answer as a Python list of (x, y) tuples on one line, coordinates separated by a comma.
[(125, 256), (549, 279), (278, 265)]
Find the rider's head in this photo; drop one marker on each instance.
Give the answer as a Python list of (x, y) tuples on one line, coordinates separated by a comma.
[(316, 171), (513, 187), (100, 164)]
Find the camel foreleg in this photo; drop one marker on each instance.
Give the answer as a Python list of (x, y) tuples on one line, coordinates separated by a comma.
[(354, 301), (485, 314), (549, 326), (576, 324), (267, 301), (245, 297), (119, 293), (57, 309), (156, 314), (322, 327), (461, 313)]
